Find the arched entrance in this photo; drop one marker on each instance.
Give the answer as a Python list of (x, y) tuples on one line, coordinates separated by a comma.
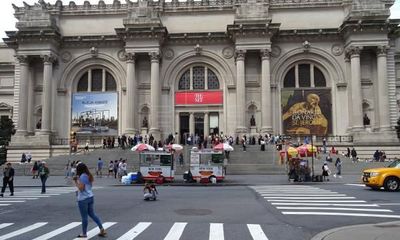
[(306, 101), (198, 103)]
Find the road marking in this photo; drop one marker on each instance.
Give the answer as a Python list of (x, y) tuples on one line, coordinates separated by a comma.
[(92, 233), (20, 198), (135, 231), (58, 231), (23, 230), (317, 201), (326, 204), (4, 225), (256, 232), (176, 231), (303, 195), (342, 214), (3, 205), (343, 209), (310, 197), (357, 185), (6, 201), (297, 192), (216, 231), (28, 196)]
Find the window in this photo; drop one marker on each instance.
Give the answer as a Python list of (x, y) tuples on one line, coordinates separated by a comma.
[(184, 82), (198, 78), (97, 80), (304, 76)]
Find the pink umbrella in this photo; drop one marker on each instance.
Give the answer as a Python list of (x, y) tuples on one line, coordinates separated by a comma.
[(142, 147), (303, 151), (223, 147)]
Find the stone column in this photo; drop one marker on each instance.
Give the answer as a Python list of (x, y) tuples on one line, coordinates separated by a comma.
[(348, 78), (191, 123), (206, 124), (31, 125), (155, 86), (23, 95), (46, 97), (131, 86), (356, 94), (240, 92), (383, 96), (266, 106), (177, 128)]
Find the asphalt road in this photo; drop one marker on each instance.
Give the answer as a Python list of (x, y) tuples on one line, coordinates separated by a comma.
[(274, 212)]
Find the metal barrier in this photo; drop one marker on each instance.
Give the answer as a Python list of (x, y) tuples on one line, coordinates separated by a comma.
[(82, 140)]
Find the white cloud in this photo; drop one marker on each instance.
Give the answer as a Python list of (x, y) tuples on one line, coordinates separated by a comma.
[(8, 20)]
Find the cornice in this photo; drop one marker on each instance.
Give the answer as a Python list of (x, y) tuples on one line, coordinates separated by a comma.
[(279, 4), (92, 41)]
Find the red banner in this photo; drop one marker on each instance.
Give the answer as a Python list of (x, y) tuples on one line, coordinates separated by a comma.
[(191, 98)]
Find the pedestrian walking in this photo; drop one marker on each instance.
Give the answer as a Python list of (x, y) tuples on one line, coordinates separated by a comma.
[(181, 160), (115, 168), (8, 179), (325, 172), (100, 164), (110, 168), (35, 169), (44, 174), (244, 143), (73, 169), (338, 165), (353, 155), (84, 181)]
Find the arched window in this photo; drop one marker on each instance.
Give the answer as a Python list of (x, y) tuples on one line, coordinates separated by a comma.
[(304, 76), (198, 78), (97, 80)]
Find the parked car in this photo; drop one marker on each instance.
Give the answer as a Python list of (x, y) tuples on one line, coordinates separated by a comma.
[(388, 177)]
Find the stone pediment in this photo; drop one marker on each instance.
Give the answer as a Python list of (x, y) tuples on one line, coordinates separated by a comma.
[(141, 15), (369, 8), (5, 106), (252, 11)]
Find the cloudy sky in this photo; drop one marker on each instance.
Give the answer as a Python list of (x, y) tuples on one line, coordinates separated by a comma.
[(8, 21)]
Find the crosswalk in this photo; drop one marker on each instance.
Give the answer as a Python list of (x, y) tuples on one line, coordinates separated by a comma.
[(22, 195), (310, 200), (42, 231)]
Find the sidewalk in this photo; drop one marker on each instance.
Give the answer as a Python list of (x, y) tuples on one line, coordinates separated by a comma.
[(378, 231), (231, 180)]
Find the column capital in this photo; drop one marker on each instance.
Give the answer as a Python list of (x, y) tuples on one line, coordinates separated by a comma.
[(48, 58), (240, 55), (130, 57), (382, 50), (353, 51), (154, 56), (265, 54), (23, 59)]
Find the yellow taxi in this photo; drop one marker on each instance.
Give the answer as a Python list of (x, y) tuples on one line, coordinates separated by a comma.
[(388, 177)]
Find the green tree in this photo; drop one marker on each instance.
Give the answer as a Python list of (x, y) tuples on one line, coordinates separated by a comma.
[(7, 129)]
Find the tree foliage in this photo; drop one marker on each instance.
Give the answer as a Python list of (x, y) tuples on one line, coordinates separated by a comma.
[(7, 129)]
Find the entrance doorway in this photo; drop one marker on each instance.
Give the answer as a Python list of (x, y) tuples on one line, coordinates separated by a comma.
[(199, 124), (184, 127)]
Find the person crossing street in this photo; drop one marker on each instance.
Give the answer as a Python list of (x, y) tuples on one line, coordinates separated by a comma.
[(44, 174), (8, 178)]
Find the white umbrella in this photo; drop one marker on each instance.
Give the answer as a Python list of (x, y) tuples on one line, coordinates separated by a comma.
[(223, 146), (176, 147), (142, 147)]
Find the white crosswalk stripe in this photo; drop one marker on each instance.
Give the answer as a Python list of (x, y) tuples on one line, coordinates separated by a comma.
[(22, 195), (134, 232), (22, 230), (176, 231), (58, 231), (216, 231), (310, 200)]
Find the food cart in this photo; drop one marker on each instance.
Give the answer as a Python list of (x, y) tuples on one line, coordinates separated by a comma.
[(154, 165), (207, 164)]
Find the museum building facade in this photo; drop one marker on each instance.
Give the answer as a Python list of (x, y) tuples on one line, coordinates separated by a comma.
[(293, 67)]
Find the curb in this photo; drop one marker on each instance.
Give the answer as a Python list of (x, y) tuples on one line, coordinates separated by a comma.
[(324, 234)]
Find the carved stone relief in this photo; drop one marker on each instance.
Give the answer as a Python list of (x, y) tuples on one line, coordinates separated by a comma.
[(228, 52), (66, 56), (168, 54), (337, 49)]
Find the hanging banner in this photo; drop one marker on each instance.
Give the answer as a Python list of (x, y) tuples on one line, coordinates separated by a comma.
[(307, 112), (95, 113), (198, 97)]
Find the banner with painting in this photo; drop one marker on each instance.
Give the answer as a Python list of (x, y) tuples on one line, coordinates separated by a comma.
[(307, 112), (95, 114)]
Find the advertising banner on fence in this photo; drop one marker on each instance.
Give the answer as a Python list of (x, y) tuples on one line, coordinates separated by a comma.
[(95, 114), (307, 112), (198, 97)]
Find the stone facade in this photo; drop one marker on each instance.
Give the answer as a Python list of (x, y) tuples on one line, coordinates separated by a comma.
[(249, 46)]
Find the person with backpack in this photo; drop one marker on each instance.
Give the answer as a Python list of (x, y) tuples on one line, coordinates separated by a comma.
[(338, 165), (325, 172)]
